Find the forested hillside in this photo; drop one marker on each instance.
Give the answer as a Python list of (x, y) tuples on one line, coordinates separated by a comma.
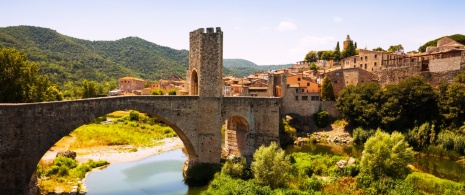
[(67, 60), (242, 68)]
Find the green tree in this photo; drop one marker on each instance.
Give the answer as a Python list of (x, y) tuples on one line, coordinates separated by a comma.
[(327, 92), (20, 80), (378, 49), (350, 50), (337, 52), (89, 89), (313, 66), (453, 105), (460, 78), (157, 92), (311, 57), (321, 118), (172, 91), (386, 156), (327, 55), (270, 166), (396, 48)]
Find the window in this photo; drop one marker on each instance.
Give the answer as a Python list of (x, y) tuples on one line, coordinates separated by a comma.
[(366, 57), (355, 66), (361, 58), (335, 81), (304, 98), (298, 79), (315, 98), (361, 65), (365, 66), (297, 90), (375, 64), (376, 56), (337, 74), (296, 98), (355, 60), (308, 84), (303, 90)]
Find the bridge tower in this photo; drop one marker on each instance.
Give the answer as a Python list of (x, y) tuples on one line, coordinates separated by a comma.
[(205, 72)]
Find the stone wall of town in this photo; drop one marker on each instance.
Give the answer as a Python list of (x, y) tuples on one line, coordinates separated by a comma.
[(445, 64), (351, 76)]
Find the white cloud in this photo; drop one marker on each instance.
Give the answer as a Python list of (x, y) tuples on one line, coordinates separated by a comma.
[(337, 19), (286, 26)]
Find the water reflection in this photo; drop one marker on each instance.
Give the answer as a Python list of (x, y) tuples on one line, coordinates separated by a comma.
[(438, 167), (159, 174)]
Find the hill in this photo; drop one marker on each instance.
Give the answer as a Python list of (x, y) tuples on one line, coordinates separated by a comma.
[(67, 59), (242, 68), (457, 37)]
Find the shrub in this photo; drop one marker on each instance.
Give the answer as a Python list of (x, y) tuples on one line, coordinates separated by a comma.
[(236, 169), (200, 174), (321, 118), (386, 155), (63, 161), (134, 115), (361, 135), (270, 166), (430, 184)]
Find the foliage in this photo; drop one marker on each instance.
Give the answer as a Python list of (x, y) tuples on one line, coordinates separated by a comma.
[(386, 156), (288, 128), (361, 135), (270, 166), (396, 48), (327, 92), (236, 168), (453, 104), (429, 184), (378, 49), (422, 136), (327, 55), (225, 185), (157, 91), (134, 115), (311, 56), (89, 89), (200, 174), (460, 78), (21, 82), (337, 53), (457, 37), (350, 50), (243, 68), (143, 133), (305, 165), (64, 172), (313, 66), (172, 91), (321, 118)]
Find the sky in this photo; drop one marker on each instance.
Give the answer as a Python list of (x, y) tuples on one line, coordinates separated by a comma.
[(262, 31)]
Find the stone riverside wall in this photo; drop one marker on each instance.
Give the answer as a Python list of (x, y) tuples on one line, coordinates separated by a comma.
[(446, 64)]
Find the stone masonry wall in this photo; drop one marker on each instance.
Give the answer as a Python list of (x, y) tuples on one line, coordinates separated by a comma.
[(446, 64)]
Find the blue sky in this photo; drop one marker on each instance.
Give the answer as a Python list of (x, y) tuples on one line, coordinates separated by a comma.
[(264, 32)]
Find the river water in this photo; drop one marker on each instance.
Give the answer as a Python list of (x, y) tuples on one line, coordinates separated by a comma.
[(158, 174), (162, 173)]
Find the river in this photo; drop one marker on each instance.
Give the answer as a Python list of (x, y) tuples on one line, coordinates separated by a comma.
[(158, 174), (162, 173)]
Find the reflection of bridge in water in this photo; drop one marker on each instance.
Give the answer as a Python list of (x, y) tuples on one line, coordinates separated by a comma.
[(27, 131)]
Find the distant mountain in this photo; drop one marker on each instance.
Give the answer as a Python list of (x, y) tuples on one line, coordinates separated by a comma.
[(65, 58), (242, 68), (457, 37)]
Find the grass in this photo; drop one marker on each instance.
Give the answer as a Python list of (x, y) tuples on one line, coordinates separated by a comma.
[(63, 174)]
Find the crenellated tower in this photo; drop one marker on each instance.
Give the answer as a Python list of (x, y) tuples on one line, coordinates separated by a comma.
[(205, 72)]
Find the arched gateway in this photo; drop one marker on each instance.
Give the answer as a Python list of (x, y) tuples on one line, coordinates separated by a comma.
[(27, 131)]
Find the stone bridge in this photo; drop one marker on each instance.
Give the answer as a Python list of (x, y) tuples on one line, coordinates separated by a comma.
[(27, 131)]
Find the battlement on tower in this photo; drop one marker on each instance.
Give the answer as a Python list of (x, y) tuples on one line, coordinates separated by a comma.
[(216, 30)]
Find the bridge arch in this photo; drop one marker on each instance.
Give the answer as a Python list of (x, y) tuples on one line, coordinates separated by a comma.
[(239, 136)]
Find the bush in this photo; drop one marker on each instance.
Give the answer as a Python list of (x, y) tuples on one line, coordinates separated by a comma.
[(421, 137), (236, 169), (270, 166), (386, 156), (200, 174), (223, 184), (430, 184), (134, 115), (321, 118), (63, 161), (361, 135)]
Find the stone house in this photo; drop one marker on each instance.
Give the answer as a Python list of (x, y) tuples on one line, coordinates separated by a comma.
[(130, 84), (351, 76)]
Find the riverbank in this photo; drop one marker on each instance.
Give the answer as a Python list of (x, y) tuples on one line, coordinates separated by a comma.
[(117, 154)]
